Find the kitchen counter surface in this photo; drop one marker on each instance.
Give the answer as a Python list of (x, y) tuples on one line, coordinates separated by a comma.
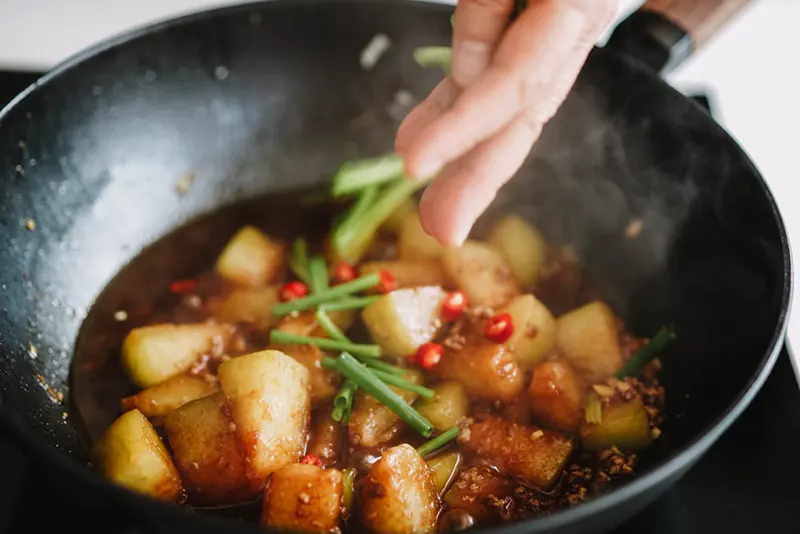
[(749, 69)]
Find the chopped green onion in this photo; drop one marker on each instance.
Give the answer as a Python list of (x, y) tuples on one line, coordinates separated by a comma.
[(330, 328), (648, 353), (364, 201), (299, 259), (434, 56), (402, 383), (343, 401), (438, 442), (330, 294), (354, 176), (453, 19), (348, 490), (349, 303), (349, 239), (385, 367), (318, 274), (368, 351), (366, 380)]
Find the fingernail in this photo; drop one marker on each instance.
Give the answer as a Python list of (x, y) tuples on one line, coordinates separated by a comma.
[(459, 236), (470, 59)]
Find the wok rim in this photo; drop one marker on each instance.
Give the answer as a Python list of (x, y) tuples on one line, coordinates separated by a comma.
[(679, 462)]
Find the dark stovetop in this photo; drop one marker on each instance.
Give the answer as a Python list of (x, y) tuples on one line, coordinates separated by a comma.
[(744, 485)]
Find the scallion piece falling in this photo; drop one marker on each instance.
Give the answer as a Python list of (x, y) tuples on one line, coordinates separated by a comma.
[(368, 351), (434, 56), (364, 201), (318, 274), (355, 176), (438, 442), (366, 380), (350, 240), (342, 290), (648, 353), (298, 261)]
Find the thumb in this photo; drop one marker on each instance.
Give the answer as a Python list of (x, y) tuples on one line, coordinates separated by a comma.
[(479, 25)]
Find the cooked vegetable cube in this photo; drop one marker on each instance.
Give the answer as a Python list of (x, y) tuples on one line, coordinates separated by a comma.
[(415, 243), (203, 441), (534, 330), (624, 424), (269, 397), (533, 454), (131, 454), (487, 370), (523, 247), (556, 397), (324, 383), (404, 319), (247, 305), (152, 354), (398, 495), (444, 468), (482, 273), (373, 424), (589, 340), (303, 498), (251, 258), (327, 437), (396, 220), (169, 395), (417, 273), (447, 408)]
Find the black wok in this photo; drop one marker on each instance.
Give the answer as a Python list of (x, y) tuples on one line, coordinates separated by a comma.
[(268, 98)]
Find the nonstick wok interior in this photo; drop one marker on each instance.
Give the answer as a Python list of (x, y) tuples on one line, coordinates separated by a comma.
[(271, 98)]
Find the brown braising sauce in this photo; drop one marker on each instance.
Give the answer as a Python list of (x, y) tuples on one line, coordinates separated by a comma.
[(539, 431)]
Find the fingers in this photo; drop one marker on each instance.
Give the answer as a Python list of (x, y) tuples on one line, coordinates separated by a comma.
[(479, 26), (441, 98), (457, 197), (533, 68)]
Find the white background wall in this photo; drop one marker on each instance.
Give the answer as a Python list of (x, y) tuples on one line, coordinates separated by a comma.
[(753, 69)]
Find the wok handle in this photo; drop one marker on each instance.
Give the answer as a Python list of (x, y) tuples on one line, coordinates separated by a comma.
[(665, 33)]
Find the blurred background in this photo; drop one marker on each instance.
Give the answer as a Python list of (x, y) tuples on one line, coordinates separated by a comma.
[(750, 70)]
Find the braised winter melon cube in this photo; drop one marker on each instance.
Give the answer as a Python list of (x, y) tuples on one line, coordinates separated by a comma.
[(404, 319), (251, 258), (131, 454), (303, 498), (415, 243), (269, 399), (169, 395), (624, 424), (522, 246), (398, 495), (588, 338), (482, 273), (203, 440), (152, 354), (534, 330)]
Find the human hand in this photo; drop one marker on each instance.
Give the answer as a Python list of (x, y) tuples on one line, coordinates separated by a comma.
[(476, 128)]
